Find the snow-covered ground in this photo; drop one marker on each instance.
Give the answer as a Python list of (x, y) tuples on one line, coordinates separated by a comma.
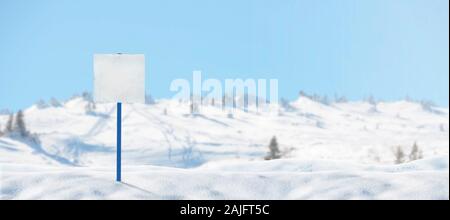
[(335, 151), (278, 179)]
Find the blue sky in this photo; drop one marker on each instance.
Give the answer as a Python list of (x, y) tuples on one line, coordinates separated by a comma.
[(387, 48)]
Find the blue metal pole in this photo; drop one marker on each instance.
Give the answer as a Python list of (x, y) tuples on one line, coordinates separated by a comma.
[(119, 142)]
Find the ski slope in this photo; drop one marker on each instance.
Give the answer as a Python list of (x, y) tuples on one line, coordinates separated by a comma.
[(334, 151)]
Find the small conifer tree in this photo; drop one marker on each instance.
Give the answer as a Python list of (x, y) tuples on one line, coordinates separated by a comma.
[(274, 151)]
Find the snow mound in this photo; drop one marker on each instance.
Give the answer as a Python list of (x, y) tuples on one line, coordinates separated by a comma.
[(280, 179)]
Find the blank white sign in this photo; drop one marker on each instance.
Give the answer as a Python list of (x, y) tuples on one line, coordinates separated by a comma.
[(119, 78)]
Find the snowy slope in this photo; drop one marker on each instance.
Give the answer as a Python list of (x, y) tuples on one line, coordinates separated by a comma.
[(282, 179), (342, 142)]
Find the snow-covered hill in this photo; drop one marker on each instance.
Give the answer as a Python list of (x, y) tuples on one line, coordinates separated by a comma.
[(214, 151)]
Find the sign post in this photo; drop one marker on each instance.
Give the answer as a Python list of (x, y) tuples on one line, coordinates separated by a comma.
[(119, 143), (119, 78)]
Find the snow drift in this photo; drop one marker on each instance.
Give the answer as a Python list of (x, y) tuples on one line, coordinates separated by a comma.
[(333, 151)]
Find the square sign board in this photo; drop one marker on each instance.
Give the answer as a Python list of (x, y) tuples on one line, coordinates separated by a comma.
[(119, 78)]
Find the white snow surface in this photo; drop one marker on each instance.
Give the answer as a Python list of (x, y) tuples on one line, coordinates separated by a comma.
[(336, 151)]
